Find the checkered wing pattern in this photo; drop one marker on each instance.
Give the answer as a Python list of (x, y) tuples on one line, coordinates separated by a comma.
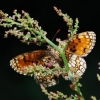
[(79, 47), (24, 64)]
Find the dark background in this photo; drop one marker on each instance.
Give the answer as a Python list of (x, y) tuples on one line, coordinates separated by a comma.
[(14, 86)]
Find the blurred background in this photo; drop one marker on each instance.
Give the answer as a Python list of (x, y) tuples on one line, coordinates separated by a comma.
[(14, 86)]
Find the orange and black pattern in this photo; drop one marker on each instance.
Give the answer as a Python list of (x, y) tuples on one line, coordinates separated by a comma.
[(80, 46)]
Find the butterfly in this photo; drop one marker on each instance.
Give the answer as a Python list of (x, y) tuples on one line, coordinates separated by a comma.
[(79, 47)]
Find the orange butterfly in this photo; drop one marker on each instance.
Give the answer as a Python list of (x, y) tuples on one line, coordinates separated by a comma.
[(80, 45)]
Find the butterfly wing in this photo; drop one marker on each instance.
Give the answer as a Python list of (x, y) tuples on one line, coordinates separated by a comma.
[(82, 43), (46, 79), (24, 64), (77, 66)]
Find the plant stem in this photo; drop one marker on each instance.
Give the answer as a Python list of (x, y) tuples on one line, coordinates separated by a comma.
[(60, 51)]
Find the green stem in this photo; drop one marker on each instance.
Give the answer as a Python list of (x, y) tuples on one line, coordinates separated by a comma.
[(60, 51), (62, 55)]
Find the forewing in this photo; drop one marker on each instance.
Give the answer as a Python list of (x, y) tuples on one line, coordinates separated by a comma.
[(82, 43)]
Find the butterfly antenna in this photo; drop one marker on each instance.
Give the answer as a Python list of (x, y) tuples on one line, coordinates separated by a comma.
[(55, 34)]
